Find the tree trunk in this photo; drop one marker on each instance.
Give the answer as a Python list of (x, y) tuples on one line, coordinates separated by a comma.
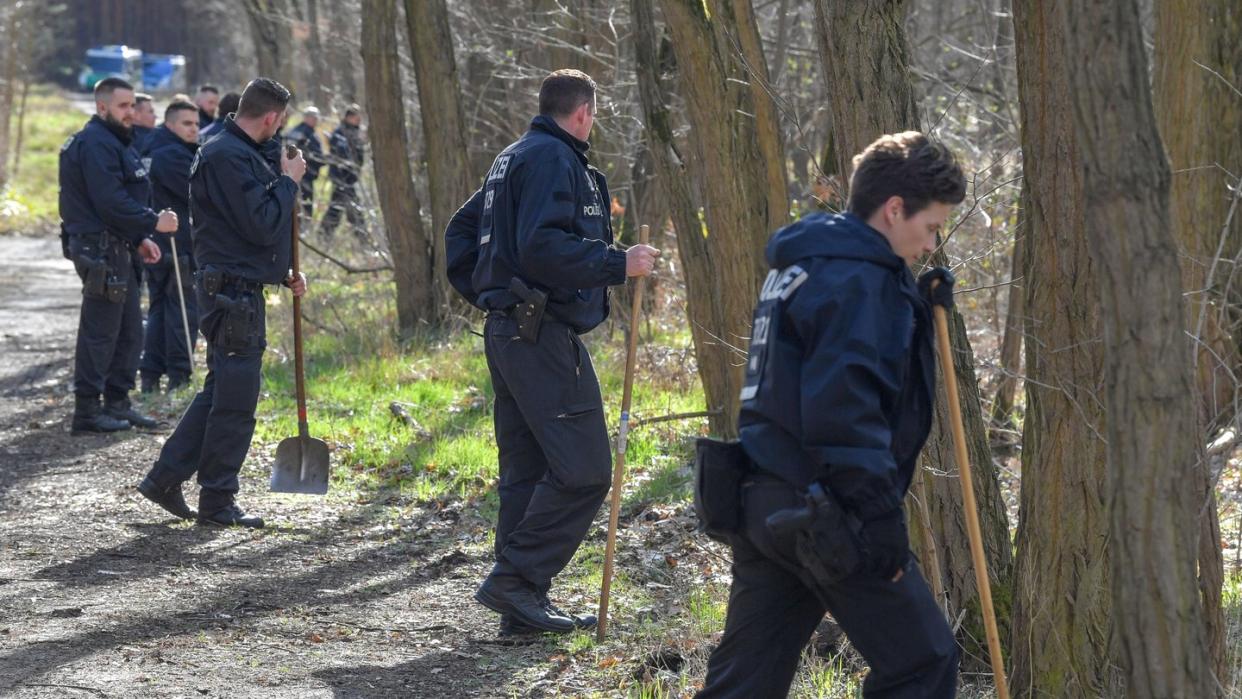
[(319, 90), (1200, 120), (1002, 418), (407, 239), (7, 83), (704, 309), (1062, 623), (1154, 446), (439, 98), (273, 40), (742, 204), (865, 61)]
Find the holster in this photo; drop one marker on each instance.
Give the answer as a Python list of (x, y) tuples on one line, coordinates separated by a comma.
[(827, 545), (95, 285), (106, 269), (238, 327), (529, 313), (719, 468), (211, 281)]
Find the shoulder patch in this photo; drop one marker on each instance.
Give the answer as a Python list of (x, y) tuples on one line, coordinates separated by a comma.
[(68, 143)]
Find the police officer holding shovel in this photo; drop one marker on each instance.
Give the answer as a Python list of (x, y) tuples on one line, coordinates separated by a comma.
[(243, 197), (534, 249), (107, 230)]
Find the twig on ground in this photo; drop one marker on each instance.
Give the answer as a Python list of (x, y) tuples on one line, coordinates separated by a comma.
[(675, 416)]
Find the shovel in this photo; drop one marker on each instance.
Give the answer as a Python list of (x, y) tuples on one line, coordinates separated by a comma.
[(301, 462)]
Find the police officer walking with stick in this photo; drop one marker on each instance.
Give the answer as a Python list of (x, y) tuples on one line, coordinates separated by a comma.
[(107, 229), (836, 405), (243, 197), (534, 249)]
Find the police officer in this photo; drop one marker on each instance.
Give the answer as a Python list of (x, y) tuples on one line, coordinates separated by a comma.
[(207, 100), (346, 155), (107, 230), (304, 138), (172, 147), (227, 106), (837, 401), (144, 122), (537, 239), (243, 196)]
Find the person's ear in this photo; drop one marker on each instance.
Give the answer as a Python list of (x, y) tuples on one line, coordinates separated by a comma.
[(893, 210)]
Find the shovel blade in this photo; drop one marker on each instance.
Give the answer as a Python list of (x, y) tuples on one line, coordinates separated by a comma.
[(301, 466)]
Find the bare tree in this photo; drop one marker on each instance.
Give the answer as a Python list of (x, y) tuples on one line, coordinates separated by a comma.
[(723, 84), (1062, 626), (440, 105), (273, 40), (1154, 448), (1198, 64), (407, 237)]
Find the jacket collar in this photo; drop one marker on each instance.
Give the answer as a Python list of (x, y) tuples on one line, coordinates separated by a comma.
[(548, 125), (231, 126)]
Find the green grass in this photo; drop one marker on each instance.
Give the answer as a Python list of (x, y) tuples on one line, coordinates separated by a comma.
[(28, 203)]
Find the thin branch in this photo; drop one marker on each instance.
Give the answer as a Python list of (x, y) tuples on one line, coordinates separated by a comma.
[(343, 265)]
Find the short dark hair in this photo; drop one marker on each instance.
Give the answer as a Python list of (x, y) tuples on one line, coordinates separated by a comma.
[(104, 88), (208, 88), (565, 90), (177, 106), (228, 104), (140, 97), (907, 165), (262, 96)]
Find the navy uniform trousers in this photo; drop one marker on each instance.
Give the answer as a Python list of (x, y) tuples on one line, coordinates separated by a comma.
[(555, 459), (164, 351), (109, 334), (774, 608), (214, 434)]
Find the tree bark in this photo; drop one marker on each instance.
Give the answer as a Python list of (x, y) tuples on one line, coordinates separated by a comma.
[(865, 59), (319, 90), (444, 126), (703, 293), (407, 238), (1200, 119), (1062, 624), (742, 204), (7, 83), (1012, 339), (1154, 446), (273, 40)]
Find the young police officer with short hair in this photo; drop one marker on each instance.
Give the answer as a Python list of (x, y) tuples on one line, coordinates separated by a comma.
[(107, 229), (836, 406), (534, 249), (243, 197), (171, 148)]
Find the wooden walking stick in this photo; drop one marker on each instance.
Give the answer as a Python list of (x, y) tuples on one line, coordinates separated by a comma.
[(185, 317), (618, 471), (968, 499)]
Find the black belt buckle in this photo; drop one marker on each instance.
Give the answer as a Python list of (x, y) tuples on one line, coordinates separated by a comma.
[(529, 313)]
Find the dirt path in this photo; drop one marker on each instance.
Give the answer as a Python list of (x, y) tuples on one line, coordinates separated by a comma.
[(103, 595)]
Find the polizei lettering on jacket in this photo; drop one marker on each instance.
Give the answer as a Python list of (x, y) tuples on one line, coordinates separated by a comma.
[(778, 287)]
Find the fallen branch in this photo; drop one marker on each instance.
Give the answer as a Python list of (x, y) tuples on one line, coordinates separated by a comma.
[(343, 265), (675, 416), (100, 692)]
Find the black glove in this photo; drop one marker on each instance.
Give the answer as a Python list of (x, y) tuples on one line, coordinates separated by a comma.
[(942, 294), (887, 543)]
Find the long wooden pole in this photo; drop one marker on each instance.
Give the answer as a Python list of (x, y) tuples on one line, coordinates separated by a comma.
[(968, 502), (618, 471)]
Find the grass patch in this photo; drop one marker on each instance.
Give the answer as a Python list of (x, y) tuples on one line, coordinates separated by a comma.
[(29, 202)]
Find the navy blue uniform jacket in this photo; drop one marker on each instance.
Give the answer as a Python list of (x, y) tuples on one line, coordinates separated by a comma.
[(171, 159), (305, 138), (104, 186), (542, 215), (841, 377), (347, 154), (242, 207)]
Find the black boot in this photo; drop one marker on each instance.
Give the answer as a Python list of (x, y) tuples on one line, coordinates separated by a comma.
[(87, 417), (121, 408), (513, 596), (150, 383), (230, 516), (176, 383), (511, 626), (170, 499)]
